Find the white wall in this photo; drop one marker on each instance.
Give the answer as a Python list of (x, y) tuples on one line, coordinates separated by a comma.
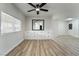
[(29, 34), (75, 28), (52, 29), (10, 40), (59, 28)]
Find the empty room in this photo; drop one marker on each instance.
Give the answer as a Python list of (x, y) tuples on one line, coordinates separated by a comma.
[(39, 29)]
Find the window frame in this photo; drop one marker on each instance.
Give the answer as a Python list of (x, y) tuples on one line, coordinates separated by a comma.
[(37, 20)]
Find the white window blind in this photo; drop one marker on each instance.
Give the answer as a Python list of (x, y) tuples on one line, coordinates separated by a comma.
[(9, 23)]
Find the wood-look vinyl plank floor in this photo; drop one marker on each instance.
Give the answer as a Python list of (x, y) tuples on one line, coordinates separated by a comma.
[(61, 46)]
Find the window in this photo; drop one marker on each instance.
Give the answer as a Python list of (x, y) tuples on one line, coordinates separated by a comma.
[(37, 24), (9, 23)]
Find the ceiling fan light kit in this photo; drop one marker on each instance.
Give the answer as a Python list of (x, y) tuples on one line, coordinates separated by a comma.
[(38, 7)]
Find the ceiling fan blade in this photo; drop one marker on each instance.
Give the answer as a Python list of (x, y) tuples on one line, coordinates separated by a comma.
[(42, 5), (37, 12), (32, 5), (37, 5), (44, 10), (31, 10)]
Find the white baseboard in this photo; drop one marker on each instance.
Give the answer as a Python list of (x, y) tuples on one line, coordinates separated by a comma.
[(75, 36), (12, 48)]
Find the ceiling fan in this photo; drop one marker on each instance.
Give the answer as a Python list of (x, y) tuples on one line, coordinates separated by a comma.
[(38, 8)]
